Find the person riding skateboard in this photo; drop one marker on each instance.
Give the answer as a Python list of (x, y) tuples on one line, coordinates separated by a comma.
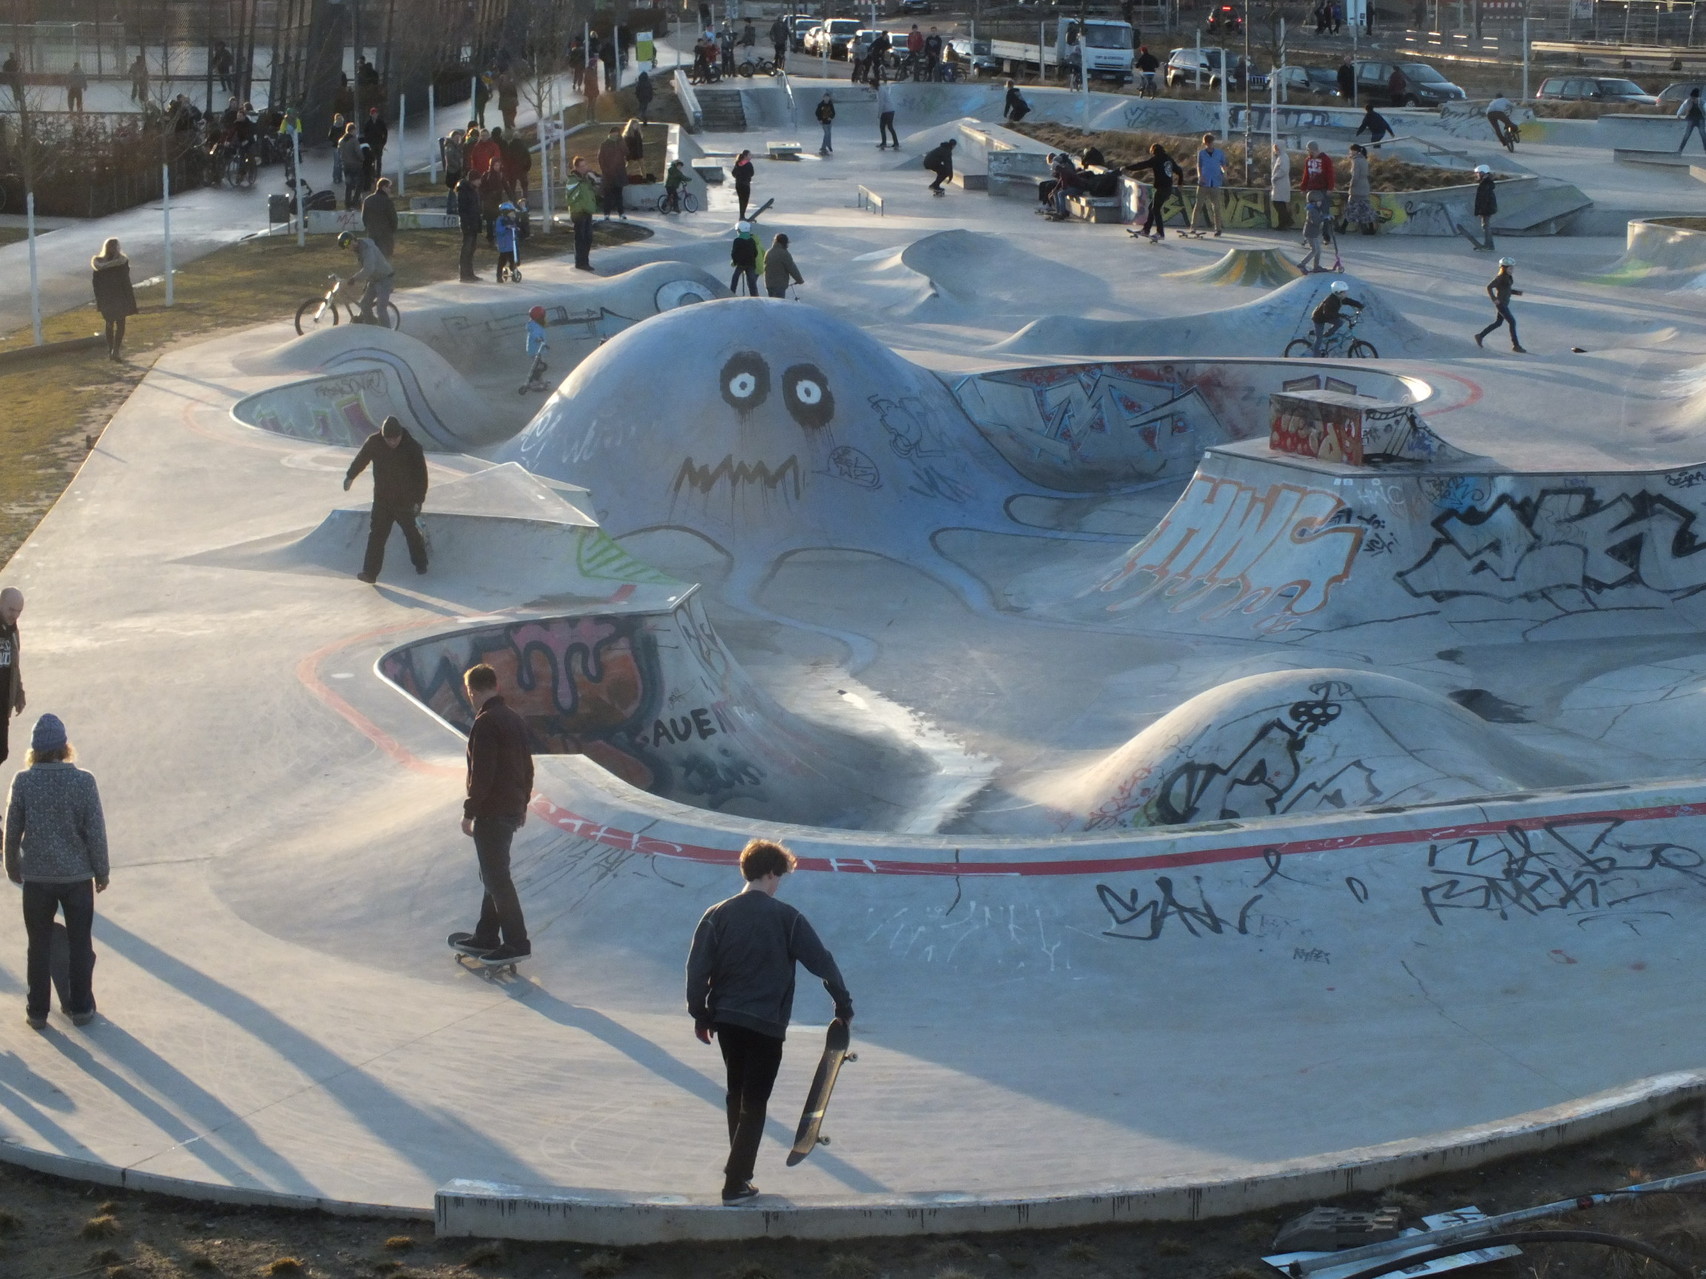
[(500, 786), (740, 989)]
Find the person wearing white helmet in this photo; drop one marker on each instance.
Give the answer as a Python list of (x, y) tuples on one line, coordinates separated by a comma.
[(748, 260), (1501, 289), (1486, 205), (375, 272), (1329, 315)]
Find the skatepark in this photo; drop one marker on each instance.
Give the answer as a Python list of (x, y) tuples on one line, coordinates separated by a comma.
[(1199, 826)]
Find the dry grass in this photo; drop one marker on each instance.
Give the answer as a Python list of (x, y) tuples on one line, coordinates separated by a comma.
[(1172, 1248), (602, 1265), (849, 1265), (400, 1243), (485, 1254), (953, 1272), (1081, 1250), (104, 1226), (285, 1266), (949, 1250), (746, 1270)]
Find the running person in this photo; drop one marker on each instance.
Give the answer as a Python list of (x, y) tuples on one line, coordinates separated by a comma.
[(740, 989), (1501, 289), (1329, 315)]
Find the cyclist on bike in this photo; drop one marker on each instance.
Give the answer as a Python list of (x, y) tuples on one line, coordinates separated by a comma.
[(375, 272), (1499, 116), (1329, 315)]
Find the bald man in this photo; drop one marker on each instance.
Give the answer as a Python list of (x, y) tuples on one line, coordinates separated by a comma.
[(11, 677)]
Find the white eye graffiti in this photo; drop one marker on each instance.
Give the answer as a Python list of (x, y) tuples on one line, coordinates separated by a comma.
[(809, 392), (742, 386), (746, 380), (808, 396)]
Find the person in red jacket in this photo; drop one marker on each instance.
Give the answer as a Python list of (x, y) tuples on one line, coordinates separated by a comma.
[(1318, 182), (500, 786), (484, 154)]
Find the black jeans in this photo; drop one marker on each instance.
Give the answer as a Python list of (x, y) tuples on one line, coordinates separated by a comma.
[(1157, 218), (470, 239), (379, 532), (752, 1060), (583, 240), (500, 908), (42, 902), (612, 202), (885, 130)]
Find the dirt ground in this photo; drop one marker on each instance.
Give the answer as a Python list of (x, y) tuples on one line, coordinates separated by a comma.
[(52, 1229)]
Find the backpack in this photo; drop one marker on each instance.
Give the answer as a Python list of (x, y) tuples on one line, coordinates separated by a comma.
[(1020, 111)]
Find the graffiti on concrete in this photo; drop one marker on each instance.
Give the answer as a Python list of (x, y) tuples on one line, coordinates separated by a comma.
[(1272, 551), (339, 410), (1137, 915), (739, 478)]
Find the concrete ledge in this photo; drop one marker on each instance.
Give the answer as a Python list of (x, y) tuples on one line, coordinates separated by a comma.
[(502, 1211), (69, 346), (971, 181), (1667, 159)]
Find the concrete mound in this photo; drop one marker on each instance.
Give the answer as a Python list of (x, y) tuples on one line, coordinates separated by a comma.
[(1666, 253), (1292, 742), (978, 273), (1264, 268), (1263, 326)]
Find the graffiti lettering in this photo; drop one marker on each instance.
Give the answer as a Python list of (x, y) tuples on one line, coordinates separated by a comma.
[(739, 475), (696, 722), (1150, 916), (1311, 955)]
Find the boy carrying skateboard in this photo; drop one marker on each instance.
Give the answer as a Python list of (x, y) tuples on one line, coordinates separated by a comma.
[(740, 989)]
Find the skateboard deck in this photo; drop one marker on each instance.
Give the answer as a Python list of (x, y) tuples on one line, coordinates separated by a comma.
[(473, 958), (59, 966), (808, 1137)]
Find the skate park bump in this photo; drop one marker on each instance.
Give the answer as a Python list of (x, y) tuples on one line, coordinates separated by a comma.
[(1249, 267)]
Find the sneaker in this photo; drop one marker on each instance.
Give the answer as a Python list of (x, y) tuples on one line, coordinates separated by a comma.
[(369, 578), (420, 568), (1519, 350), (83, 1019), (1478, 341), (468, 943), (36, 1021), (734, 1194), (505, 954)]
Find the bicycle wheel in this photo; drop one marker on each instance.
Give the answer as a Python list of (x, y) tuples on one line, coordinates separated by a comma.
[(746, 69), (1361, 350), (1299, 347), (689, 202), (309, 317), (663, 203), (392, 318)]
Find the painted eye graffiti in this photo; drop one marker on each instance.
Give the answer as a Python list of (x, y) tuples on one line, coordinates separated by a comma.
[(807, 393), (746, 380)]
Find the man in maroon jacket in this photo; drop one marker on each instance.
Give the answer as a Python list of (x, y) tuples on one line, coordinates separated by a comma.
[(500, 785)]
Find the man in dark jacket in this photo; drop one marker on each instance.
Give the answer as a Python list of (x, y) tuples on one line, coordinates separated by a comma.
[(1486, 206), (500, 786), (376, 133), (379, 218), (740, 989), (399, 489), (1347, 80), (940, 161), (468, 211)]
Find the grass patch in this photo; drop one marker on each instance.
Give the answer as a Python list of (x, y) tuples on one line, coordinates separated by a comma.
[(285, 1266), (849, 1265), (485, 1254), (1081, 1250), (746, 1270), (954, 1272), (400, 1243), (13, 234), (604, 1264), (1173, 1248), (202, 1262), (949, 1250), (104, 1226), (10, 1222)]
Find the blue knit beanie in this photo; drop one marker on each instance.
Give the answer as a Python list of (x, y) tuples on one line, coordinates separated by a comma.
[(49, 734)]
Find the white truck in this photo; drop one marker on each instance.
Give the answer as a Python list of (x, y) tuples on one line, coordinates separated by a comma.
[(1103, 43)]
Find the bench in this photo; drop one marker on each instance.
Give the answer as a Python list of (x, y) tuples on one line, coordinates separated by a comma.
[(870, 201), (783, 150)]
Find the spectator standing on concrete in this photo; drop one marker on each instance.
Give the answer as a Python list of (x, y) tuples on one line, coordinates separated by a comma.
[(139, 79), (1397, 86), (379, 217), (747, 259), (741, 172), (1147, 66), (11, 664), (748, 41), (940, 161), (885, 117), (1163, 171), (581, 200), (1347, 80), (468, 214), (1359, 199), (335, 135), (1693, 116), (825, 114), (613, 172), (56, 849), (779, 268), (643, 94), (740, 990), (350, 162), (1211, 178), (483, 151), (932, 54), (1486, 206), (223, 62), (1279, 185), (1501, 289), (115, 299), (634, 139), (499, 788), (779, 37), (509, 99), (399, 490), (76, 84), (376, 134)]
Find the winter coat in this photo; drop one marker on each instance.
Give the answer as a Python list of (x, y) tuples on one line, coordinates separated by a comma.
[(940, 159), (376, 133), (1359, 177), (55, 831), (379, 220), (742, 174), (1486, 202), (634, 144), (613, 160), (779, 268), (399, 473), (114, 297), (825, 111), (349, 155), (1279, 177), (468, 204), (743, 253), (581, 195), (483, 155)]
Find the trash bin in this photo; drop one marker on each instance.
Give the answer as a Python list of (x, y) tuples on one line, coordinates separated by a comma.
[(278, 207)]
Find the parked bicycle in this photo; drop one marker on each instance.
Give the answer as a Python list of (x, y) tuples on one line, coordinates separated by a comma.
[(758, 66), (1342, 342), (685, 202), (323, 312)]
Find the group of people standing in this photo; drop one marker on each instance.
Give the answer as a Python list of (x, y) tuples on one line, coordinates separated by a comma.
[(358, 153)]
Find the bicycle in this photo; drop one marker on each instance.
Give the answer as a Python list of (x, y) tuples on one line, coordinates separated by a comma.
[(689, 203), (759, 66), (322, 312), (1341, 343)]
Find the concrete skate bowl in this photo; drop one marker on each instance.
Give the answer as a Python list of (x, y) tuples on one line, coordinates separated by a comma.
[(1098, 426), (1265, 324), (657, 700), (976, 275), (1664, 253), (1261, 545)]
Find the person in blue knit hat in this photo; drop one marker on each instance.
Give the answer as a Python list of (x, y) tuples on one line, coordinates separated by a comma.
[(56, 848)]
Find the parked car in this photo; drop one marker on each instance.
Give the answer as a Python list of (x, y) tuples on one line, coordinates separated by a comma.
[(1303, 83), (1225, 19), (1423, 85), (976, 56), (1203, 67), (832, 38), (802, 27), (1596, 89), (914, 6), (1673, 95)]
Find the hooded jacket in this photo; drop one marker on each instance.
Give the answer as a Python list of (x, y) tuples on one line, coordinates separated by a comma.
[(399, 474), (114, 296)]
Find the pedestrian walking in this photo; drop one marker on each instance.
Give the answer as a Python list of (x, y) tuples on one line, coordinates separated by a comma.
[(1347, 79), (1501, 289), (748, 260), (223, 64), (379, 217), (115, 298), (1163, 172), (581, 200), (613, 172), (76, 84), (11, 665), (1279, 185), (825, 114), (779, 268), (885, 117), (349, 163), (399, 491), (1359, 199), (940, 161), (56, 849), (741, 171), (509, 99), (1211, 178), (1486, 205), (468, 215), (740, 991), (1693, 116), (499, 788), (643, 93)]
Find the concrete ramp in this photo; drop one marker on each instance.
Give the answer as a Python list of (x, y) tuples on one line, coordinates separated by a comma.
[(1262, 268), (974, 273), (1668, 253)]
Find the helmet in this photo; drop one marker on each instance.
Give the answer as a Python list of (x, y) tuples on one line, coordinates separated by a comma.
[(537, 314), (1339, 286), (1507, 261), (745, 228), (345, 239), (506, 207), (1482, 169)]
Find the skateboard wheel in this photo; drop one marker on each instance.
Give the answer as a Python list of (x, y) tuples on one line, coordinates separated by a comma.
[(822, 1140), (851, 1057)]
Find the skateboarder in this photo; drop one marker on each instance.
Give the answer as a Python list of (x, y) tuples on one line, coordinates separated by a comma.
[(399, 489), (1501, 289), (740, 988), (1486, 206), (56, 847), (940, 161), (11, 672), (500, 786)]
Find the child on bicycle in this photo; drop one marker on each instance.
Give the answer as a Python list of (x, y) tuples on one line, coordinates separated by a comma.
[(1329, 315), (507, 234), (673, 181)]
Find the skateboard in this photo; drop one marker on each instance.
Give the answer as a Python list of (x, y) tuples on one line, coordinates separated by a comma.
[(475, 958), (807, 1137)]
